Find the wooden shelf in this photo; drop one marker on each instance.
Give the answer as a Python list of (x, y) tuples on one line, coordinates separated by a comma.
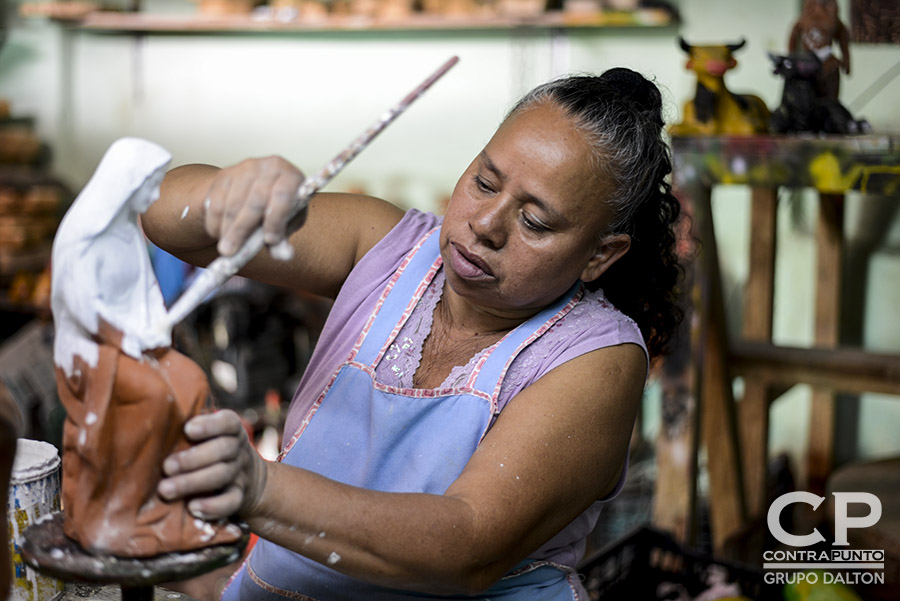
[(104, 21)]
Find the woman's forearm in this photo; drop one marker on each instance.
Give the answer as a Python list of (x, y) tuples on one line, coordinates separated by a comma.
[(414, 541)]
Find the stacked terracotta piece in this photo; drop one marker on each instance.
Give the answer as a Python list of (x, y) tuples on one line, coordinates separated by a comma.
[(31, 203)]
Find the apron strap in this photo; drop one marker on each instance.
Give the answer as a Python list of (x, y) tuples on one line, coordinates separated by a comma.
[(400, 296), (488, 374)]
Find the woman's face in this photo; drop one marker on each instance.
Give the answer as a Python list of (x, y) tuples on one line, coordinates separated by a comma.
[(525, 219)]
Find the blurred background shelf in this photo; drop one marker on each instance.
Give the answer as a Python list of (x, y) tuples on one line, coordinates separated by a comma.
[(122, 22)]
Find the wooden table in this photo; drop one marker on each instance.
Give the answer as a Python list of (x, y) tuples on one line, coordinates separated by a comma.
[(697, 392)]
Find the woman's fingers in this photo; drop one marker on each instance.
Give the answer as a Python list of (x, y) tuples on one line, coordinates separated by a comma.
[(283, 204), (198, 457), (218, 436), (239, 214), (210, 425), (221, 473), (223, 505), (213, 211), (254, 193), (209, 479)]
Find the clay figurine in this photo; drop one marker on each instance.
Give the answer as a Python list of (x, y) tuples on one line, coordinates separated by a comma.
[(816, 31), (802, 109), (715, 109), (126, 391)]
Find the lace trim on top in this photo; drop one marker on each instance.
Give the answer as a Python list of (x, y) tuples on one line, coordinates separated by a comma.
[(404, 355), (402, 359)]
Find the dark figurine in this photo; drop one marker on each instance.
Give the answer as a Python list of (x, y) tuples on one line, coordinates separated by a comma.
[(817, 29), (715, 109), (802, 109)]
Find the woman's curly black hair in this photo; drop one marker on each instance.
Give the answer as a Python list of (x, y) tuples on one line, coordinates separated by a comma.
[(620, 114)]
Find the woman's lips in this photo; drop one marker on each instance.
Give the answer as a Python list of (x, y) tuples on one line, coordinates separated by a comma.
[(468, 265)]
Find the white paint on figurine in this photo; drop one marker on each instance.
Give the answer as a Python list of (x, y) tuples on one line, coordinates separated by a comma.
[(101, 268)]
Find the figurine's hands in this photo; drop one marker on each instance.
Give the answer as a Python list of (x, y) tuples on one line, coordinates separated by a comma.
[(221, 474), (253, 193)]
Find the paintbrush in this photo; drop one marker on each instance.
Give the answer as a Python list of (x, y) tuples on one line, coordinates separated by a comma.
[(218, 272)]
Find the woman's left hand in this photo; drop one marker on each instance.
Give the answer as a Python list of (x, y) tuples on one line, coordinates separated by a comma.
[(221, 474)]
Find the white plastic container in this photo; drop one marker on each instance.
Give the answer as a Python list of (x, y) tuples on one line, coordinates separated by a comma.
[(33, 494)]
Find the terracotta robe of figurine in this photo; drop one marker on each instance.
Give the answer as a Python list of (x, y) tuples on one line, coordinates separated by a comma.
[(124, 417)]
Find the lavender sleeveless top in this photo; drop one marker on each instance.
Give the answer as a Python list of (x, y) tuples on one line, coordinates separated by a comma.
[(592, 324)]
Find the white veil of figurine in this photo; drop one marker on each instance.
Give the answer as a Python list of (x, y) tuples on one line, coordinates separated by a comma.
[(101, 267)]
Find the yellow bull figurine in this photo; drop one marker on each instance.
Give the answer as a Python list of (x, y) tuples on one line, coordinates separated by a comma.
[(716, 110)]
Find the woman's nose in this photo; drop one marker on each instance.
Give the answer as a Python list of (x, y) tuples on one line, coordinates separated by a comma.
[(489, 224)]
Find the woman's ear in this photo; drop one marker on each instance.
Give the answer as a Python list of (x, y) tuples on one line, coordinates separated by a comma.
[(609, 250)]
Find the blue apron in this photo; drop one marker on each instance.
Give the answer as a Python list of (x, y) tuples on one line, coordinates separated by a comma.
[(378, 437)]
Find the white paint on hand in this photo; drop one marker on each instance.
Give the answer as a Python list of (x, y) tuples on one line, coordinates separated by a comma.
[(90, 419), (283, 251), (333, 558), (185, 211)]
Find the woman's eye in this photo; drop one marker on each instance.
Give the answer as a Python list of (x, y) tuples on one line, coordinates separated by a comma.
[(482, 185), (533, 224)]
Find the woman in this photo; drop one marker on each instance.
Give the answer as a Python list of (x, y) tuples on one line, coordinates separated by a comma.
[(470, 403), (126, 393)]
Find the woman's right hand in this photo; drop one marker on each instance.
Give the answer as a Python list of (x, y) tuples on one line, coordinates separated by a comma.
[(252, 193), (221, 474), (340, 228)]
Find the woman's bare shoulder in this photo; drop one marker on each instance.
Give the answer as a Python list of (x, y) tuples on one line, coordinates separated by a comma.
[(339, 230), (369, 218)]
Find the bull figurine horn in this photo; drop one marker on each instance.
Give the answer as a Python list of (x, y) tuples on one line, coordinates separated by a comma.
[(738, 46)]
